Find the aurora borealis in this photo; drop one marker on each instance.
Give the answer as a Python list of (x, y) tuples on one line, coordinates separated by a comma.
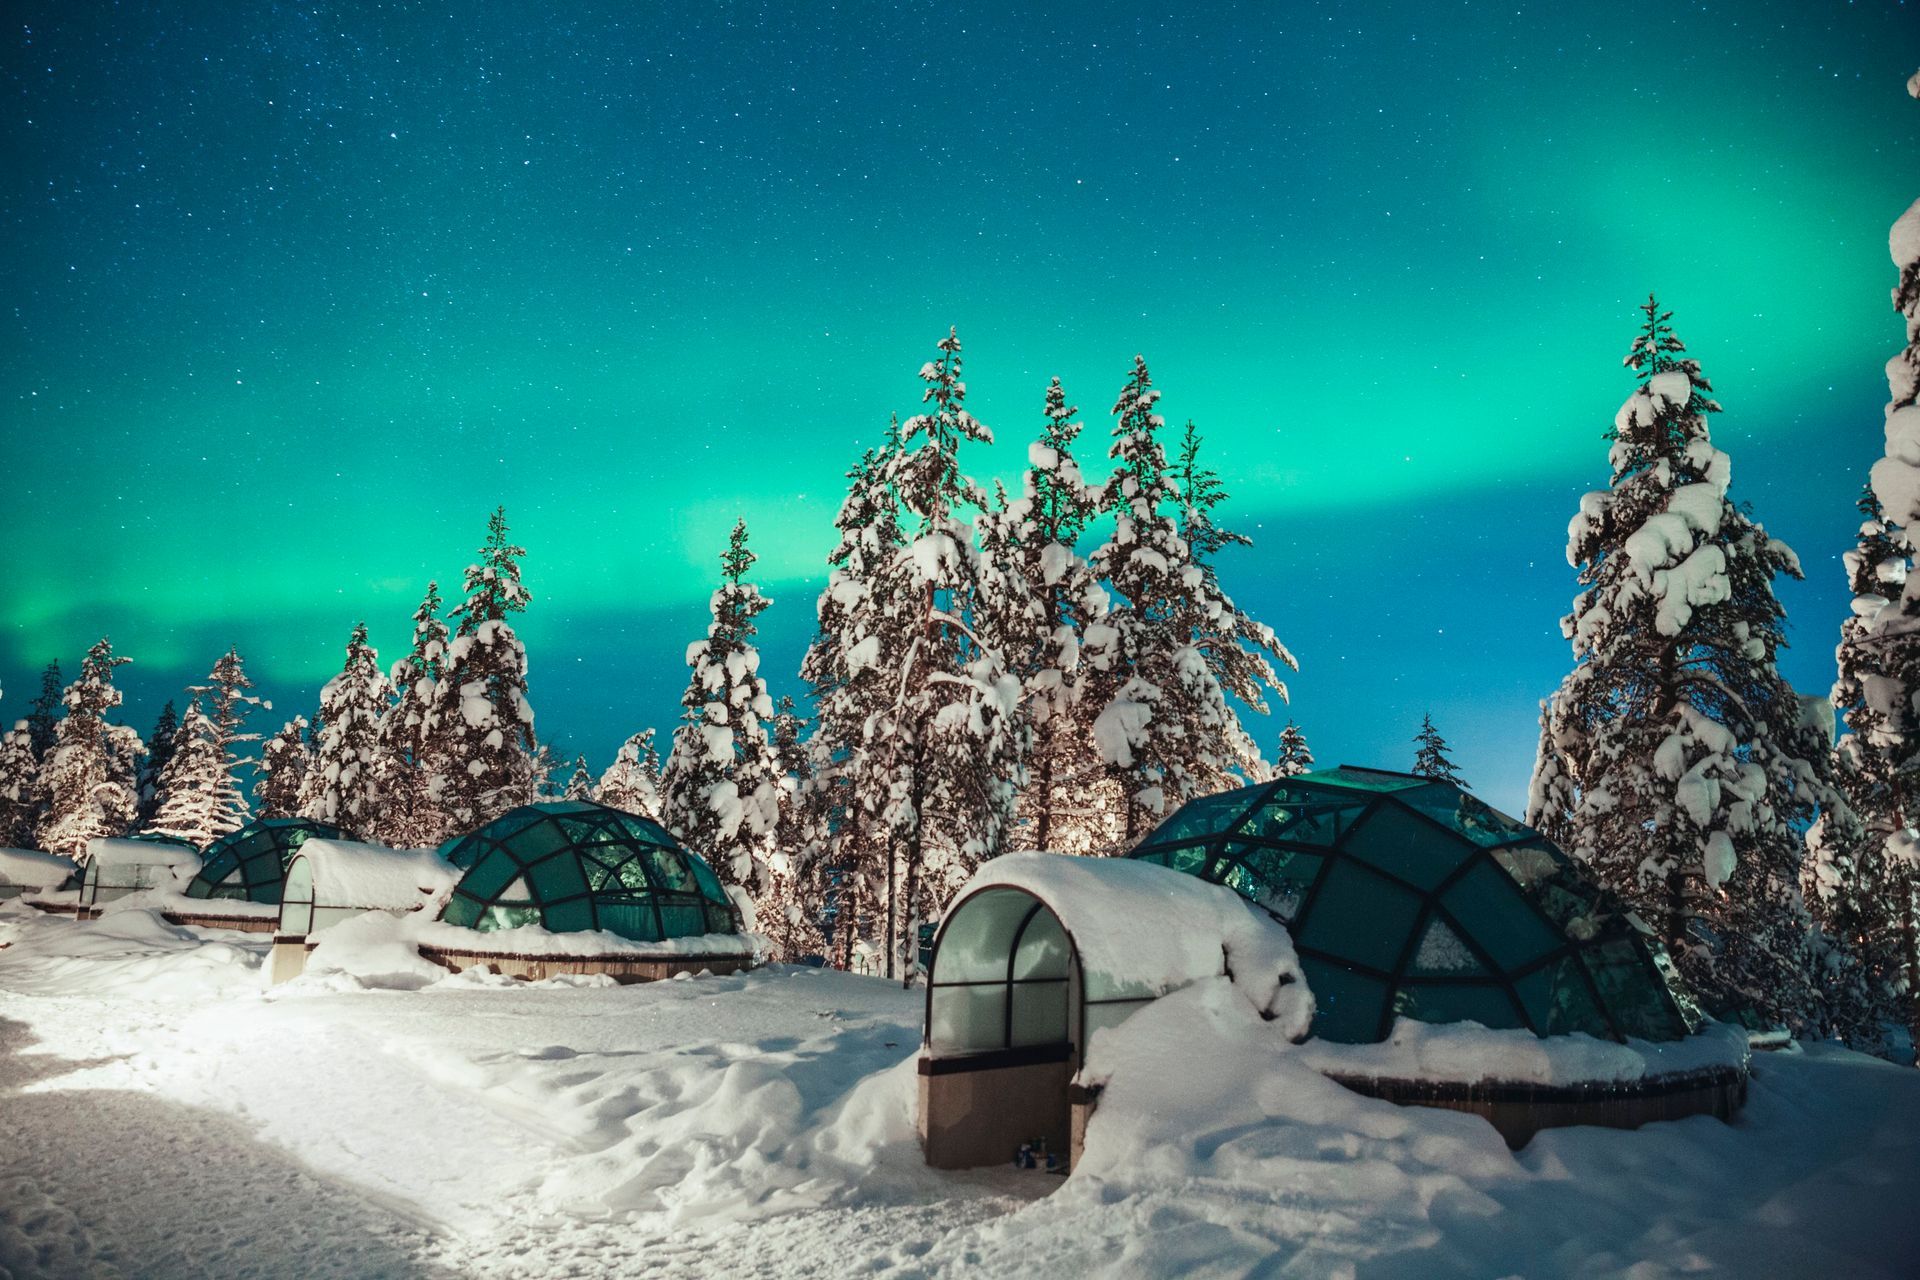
[(296, 294)]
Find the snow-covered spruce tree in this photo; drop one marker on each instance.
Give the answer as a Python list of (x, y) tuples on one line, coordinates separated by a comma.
[(342, 786), (87, 776), (632, 782), (285, 760), (1675, 760), (579, 782), (44, 713), (1240, 652), (408, 816), (192, 785), (1291, 755), (720, 793), (1164, 727), (948, 745), (481, 755), (1430, 758), (225, 701), (1068, 803), (851, 669), (19, 786), (159, 751), (789, 914)]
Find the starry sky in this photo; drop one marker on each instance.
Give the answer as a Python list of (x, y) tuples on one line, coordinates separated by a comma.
[(294, 294)]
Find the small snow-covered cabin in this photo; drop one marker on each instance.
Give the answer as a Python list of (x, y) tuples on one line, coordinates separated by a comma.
[(1040, 951), (569, 886), (29, 871), (329, 881), (241, 874), (123, 865)]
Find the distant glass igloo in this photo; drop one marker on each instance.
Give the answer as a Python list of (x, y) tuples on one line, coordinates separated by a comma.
[(1408, 897), (571, 866), (250, 865)]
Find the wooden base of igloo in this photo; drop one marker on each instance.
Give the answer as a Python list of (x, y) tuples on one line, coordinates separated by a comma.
[(1519, 1111), (623, 967)]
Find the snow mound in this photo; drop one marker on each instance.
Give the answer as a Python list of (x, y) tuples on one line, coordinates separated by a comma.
[(31, 869), (1468, 1053), (128, 952)]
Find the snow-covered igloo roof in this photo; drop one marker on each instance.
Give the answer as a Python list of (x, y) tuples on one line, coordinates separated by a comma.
[(371, 877), (571, 865), (32, 869), (249, 865), (1408, 897)]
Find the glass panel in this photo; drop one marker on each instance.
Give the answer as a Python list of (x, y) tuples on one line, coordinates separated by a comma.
[(299, 886), (461, 910), (1442, 952), (1039, 1013), (1366, 779), (538, 840), (703, 876), (1633, 991), (1557, 999), (490, 875), (1491, 911), (1467, 814), (633, 875), (90, 886), (1346, 1004), (979, 934), (568, 917), (1485, 1004), (1206, 816), (670, 869), (1043, 950), (558, 878), (296, 918), (1360, 917), (1301, 817), (719, 919), (502, 917), (630, 920), (1187, 859), (1397, 842), (1529, 864), (967, 1019), (683, 919), (1276, 879)]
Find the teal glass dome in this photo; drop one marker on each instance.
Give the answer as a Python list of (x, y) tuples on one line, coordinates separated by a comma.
[(1408, 897), (570, 865), (249, 865)]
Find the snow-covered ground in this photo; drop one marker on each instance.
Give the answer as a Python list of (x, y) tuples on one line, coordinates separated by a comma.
[(162, 1114)]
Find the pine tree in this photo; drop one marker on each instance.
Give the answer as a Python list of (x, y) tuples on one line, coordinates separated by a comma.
[(87, 775), (1043, 621), (1291, 756), (850, 669), (285, 761), (948, 745), (19, 786), (790, 913), (579, 782), (1239, 651), (341, 785), (1431, 760), (45, 712), (192, 787), (159, 752), (481, 757), (225, 702), (1675, 760), (409, 817), (719, 792), (1172, 642), (632, 782)]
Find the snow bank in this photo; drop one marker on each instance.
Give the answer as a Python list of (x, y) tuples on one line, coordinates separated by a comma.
[(111, 851), (347, 873), (1143, 929), (374, 951), (173, 900), (532, 940), (129, 952), (1468, 1053), (32, 869)]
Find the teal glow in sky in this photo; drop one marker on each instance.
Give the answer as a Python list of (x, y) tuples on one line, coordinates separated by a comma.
[(295, 296)]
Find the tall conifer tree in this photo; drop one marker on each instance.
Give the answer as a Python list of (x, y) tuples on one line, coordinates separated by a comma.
[(409, 815), (87, 775), (341, 786), (632, 782)]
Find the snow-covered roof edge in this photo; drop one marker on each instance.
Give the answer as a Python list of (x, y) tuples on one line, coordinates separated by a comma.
[(1468, 1053), (33, 869), (349, 873), (117, 851)]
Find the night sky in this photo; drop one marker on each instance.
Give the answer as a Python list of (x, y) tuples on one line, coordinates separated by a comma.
[(295, 294)]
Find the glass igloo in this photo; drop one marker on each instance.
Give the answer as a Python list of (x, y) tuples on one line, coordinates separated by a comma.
[(1408, 897), (250, 864), (571, 865)]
